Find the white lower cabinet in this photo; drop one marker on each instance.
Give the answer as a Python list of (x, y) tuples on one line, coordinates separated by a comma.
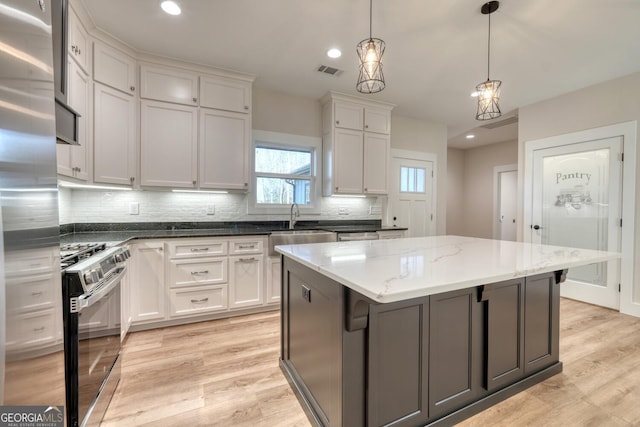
[(246, 280), (147, 282), (273, 280), (198, 276)]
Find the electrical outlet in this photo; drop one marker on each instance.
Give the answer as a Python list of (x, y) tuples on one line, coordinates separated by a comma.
[(211, 209), (134, 208), (343, 210)]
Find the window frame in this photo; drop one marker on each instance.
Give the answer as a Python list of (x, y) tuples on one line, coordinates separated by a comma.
[(286, 141)]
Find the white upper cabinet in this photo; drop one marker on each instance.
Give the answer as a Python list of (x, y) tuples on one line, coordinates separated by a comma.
[(356, 145), (114, 68), (168, 145), (376, 163), (114, 144), (168, 84), (348, 154), (225, 94), (79, 45), (224, 141), (377, 120), (348, 116), (72, 159)]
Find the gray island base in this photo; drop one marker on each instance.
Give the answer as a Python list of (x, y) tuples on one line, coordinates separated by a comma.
[(430, 360)]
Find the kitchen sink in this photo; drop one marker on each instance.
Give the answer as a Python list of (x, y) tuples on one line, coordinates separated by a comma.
[(296, 237)]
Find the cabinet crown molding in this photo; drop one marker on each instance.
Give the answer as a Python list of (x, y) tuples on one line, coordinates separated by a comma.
[(337, 96)]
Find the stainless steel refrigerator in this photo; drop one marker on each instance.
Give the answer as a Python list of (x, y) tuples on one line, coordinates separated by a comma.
[(31, 341)]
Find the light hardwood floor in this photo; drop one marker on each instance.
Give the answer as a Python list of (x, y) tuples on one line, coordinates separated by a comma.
[(225, 373)]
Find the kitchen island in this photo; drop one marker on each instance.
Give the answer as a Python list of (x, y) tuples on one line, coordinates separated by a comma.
[(421, 331)]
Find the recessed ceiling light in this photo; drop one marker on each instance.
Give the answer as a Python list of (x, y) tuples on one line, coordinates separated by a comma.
[(170, 7), (334, 53), (470, 136)]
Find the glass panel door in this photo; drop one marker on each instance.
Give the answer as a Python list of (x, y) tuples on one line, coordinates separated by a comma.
[(577, 203)]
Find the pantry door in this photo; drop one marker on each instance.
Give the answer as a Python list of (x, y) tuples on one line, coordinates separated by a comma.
[(577, 202)]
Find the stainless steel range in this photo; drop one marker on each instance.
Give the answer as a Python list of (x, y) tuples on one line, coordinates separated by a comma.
[(91, 276)]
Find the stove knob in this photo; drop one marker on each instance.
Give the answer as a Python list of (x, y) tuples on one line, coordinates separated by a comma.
[(120, 257), (93, 276)]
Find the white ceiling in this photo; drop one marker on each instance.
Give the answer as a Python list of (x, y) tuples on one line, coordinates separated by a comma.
[(436, 51)]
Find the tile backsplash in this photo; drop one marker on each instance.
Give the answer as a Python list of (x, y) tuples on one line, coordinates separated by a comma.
[(92, 206)]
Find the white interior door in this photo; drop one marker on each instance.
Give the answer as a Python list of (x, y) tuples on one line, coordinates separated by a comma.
[(576, 202), (508, 193), (411, 196)]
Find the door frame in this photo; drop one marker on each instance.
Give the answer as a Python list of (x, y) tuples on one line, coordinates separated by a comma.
[(497, 170), (627, 130), (420, 156)]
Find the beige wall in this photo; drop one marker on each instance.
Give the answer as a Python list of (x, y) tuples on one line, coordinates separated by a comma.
[(474, 198), (603, 104), (279, 112), (427, 137), (455, 191)]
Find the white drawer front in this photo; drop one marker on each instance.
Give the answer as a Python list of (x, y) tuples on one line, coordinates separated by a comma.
[(32, 262), (198, 300), (246, 246), (32, 329), (197, 272), (190, 249), (32, 293)]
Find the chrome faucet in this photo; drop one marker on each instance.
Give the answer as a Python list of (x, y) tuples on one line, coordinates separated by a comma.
[(292, 218)]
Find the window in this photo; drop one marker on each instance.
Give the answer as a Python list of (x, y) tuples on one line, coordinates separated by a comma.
[(285, 172), (283, 176), (412, 180)]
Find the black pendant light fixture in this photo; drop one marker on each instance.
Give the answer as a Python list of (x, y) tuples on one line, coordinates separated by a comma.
[(370, 51), (488, 92)]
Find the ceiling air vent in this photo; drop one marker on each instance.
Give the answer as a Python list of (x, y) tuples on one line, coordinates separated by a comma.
[(508, 121), (329, 70)]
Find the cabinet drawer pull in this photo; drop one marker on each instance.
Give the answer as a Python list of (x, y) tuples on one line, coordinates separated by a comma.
[(252, 259), (200, 301), (200, 272), (36, 294), (246, 246), (199, 249), (40, 329)]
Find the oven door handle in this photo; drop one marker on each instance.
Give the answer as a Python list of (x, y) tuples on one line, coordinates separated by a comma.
[(89, 300)]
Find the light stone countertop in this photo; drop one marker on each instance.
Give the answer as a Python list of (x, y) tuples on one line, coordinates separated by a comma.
[(400, 269)]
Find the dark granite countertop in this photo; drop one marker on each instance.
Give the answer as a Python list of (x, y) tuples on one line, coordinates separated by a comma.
[(118, 233)]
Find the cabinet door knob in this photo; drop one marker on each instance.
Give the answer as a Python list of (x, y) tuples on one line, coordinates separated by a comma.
[(366, 189), (366, 126), (194, 182), (133, 88), (337, 122), (195, 99), (246, 184), (132, 179), (246, 107)]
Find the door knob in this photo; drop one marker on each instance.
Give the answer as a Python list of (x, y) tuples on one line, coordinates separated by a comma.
[(536, 227)]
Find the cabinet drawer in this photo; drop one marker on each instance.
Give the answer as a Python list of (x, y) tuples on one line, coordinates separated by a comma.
[(197, 272), (198, 300), (31, 293), (249, 246), (31, 262), (32, 329), (192, 248)]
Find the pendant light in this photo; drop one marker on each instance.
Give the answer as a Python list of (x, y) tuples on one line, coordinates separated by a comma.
[(370, 51), (488, 92)]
